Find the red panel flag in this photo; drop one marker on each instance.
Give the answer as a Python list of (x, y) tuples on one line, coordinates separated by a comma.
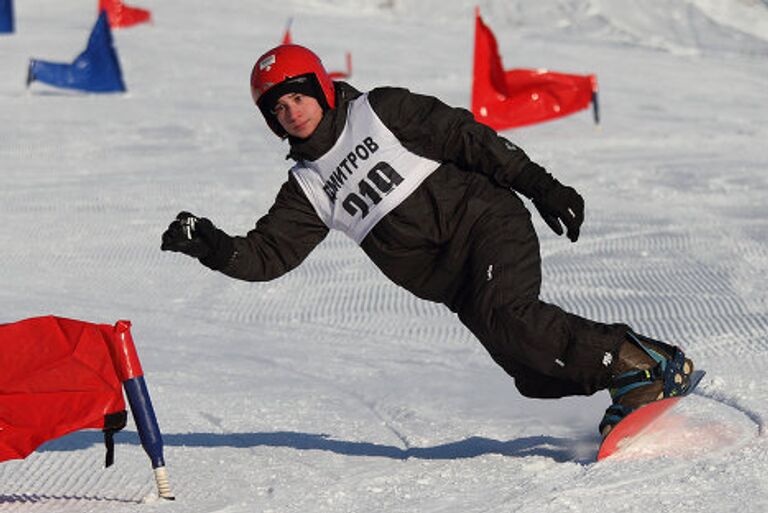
[(335, 75), (343, 75), (287, 35), (506, 99), (60, 375), (57, 377), (121, 15)]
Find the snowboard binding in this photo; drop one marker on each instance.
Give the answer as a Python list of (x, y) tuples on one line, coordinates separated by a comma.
[(647, 370)]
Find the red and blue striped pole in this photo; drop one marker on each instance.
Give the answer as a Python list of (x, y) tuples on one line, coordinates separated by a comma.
[(130, 373)]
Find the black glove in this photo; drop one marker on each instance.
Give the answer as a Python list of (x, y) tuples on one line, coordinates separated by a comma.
[(554, 201), (198, 238), (562, 203)]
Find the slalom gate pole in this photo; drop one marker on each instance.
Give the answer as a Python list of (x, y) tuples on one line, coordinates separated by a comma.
[(595, 108), (129, 370), (595, 99)]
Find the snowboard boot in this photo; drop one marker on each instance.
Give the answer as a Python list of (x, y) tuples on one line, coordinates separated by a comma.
[(645, 370)]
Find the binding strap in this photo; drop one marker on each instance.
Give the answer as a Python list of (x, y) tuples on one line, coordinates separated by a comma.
[(631, 380)]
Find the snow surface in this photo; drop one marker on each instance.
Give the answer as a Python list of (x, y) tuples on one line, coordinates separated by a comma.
[(330, 389)]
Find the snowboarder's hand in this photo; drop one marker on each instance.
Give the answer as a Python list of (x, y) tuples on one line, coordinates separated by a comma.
[(199, 238), (187, 234), (562, 203), (558, 204)]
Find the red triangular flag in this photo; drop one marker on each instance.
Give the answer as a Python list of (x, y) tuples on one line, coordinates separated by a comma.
[(287, 36), (121, 15), (58, 376), (342, 75), (505, 99), (335, 75)]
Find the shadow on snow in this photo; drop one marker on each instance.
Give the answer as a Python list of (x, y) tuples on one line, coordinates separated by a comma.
[(558, 449)]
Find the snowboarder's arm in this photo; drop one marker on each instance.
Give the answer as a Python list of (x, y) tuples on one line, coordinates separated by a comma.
[(429, 127), (281, 240)]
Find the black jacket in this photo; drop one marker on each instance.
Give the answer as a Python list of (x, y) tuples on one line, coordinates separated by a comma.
[(423, 244)]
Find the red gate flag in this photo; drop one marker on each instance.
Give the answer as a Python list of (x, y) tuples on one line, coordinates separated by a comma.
[(335, 75), (60, 375), (287, 35), (506, 99), (57, 377), (343, 75), (121, 15)]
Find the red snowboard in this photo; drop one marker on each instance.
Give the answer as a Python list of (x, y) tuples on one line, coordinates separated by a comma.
[(633, 425)]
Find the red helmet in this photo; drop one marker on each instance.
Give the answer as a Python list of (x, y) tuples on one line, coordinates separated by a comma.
[(286, 69)]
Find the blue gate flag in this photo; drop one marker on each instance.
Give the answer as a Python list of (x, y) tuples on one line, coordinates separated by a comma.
[(6, 16), (95, 70)]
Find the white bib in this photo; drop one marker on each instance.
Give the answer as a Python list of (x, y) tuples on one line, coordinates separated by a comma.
[(366, 174)]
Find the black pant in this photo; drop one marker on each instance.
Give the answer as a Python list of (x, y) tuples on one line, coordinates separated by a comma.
[(550, 353)]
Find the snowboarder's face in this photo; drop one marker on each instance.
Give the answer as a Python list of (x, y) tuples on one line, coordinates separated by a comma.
[(298, 114)]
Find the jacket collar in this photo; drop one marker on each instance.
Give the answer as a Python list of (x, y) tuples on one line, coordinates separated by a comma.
[(328, 130)]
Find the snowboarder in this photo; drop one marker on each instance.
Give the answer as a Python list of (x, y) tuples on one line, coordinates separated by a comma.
[(431, 196)]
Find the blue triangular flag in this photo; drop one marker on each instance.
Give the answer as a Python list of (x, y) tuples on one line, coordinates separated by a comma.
[(6, 16), (96, 70)]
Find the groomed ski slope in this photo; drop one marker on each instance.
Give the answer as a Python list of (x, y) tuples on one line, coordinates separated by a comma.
[(330, 389)]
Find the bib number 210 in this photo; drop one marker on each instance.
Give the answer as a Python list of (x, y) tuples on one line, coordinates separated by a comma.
[(380, 180)]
